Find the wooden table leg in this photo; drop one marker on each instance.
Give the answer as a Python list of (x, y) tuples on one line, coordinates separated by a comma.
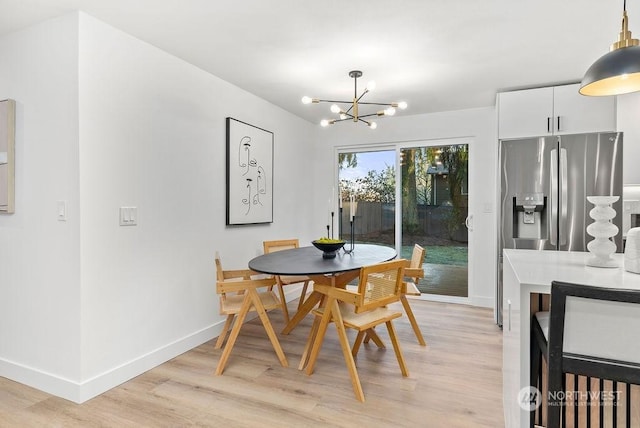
[(308, 305)]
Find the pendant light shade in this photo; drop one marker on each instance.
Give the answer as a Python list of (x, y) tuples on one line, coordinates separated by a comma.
[(617, 72)]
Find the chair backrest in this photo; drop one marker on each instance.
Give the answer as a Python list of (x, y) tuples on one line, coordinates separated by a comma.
[(380, 284), (417, 257), (595, 328), (279, 245), (219, 271)]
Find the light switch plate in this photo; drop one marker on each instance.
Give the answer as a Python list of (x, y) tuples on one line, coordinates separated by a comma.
[(62, 210), (128, 216)]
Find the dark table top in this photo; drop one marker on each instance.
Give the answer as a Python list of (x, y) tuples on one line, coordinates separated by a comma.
[(309, 261)]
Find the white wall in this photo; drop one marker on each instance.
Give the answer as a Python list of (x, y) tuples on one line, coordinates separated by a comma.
[(480, 126), (39, 256), (628, 110), (105, 120)]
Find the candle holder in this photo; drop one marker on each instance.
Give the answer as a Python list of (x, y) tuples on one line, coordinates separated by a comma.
[(340, 224), (332, 215), (351, 245)]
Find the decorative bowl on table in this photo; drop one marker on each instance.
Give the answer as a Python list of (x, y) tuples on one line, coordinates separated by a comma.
[(329, 247)]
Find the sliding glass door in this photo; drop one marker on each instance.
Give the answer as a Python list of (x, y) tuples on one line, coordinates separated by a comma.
[(435, 202), (433, 207)]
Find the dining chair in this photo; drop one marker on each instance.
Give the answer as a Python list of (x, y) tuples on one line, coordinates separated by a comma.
[(239, 295), (362, 310), (573, 338), (279, 245), (414, 272)]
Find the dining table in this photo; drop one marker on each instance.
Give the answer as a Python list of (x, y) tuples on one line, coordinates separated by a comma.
[(309, 261)]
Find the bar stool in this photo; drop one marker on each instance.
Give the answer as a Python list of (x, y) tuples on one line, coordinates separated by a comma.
[(580, 336)]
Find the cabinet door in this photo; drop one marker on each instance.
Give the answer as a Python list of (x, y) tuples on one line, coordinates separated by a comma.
[(578, 114), (525, 113)]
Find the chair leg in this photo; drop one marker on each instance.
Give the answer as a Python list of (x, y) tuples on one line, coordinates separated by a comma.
[(371, 333), (396, 348), (303, 294), (268, 327), (225, 330), (412, 320), (554, 405), (535, 359), (346, 351), (358, 342), (244, 309)]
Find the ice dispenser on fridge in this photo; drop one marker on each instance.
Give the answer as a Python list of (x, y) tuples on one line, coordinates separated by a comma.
[(529, 219)]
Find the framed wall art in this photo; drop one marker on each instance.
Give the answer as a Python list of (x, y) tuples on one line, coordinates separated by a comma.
[(7, 156), (249, 174)]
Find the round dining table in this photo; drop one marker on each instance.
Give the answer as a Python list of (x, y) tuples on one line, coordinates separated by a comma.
[(308, 261)]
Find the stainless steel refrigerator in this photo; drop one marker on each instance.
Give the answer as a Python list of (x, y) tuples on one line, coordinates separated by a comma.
[(544, 183)]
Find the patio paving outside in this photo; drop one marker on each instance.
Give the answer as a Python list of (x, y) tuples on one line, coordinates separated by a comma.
[(448, 280)]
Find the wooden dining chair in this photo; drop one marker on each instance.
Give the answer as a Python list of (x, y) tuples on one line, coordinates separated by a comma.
[(379, 285), (414, 272), (239, 295), (282, 280)]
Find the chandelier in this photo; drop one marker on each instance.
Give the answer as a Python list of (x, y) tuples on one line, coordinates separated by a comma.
[(349, 110)]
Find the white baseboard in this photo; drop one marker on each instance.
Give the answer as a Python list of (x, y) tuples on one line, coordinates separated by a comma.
[(79, 392), (483, 301)]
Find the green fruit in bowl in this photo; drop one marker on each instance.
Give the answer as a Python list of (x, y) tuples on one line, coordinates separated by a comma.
[(329, 241)]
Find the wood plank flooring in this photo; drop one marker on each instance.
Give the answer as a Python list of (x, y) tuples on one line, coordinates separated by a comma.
[(456, 381)]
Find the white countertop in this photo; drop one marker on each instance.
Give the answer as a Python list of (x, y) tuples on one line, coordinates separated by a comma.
[(539, 268)]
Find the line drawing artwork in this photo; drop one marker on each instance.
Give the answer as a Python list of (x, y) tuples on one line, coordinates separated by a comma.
[(249, 175)]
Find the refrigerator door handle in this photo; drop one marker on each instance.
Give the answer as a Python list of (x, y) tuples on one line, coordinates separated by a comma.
[(564, 199), (553, 201)]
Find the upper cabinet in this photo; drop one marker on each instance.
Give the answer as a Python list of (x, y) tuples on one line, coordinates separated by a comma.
[(554, 110)]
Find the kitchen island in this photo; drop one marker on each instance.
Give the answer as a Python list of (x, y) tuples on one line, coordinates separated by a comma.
[(527, 273)]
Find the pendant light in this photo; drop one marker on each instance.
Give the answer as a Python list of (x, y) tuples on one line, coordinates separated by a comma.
[(617, 72)]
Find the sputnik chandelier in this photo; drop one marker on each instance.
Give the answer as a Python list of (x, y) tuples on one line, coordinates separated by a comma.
[(350, 109)]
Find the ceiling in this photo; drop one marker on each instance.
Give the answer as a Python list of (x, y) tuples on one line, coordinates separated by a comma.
[(436, 55)]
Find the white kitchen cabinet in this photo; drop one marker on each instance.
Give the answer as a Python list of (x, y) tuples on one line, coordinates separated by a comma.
[(553, 110)]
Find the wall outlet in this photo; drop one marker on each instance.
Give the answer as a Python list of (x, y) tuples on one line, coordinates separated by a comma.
[(128, 216)]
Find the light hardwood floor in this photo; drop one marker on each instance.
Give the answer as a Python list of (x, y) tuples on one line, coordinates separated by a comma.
[(456, 381)]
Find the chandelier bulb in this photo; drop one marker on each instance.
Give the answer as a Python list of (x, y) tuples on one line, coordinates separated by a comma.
[(402, 105), (389, 111), (324, 123), (373, 125), (335, 108), (306, 100), (371, 86), (343, 116)]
